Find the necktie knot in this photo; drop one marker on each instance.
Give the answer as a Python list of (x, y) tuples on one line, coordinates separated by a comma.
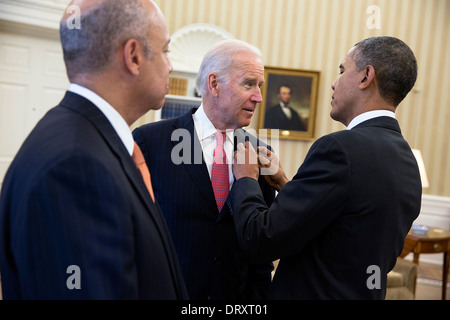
[(137, 155), (219, 152), (139, 160), (220, 137)]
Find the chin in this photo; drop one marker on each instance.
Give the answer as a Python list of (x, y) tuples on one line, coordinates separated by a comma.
[(334, 114), (157, 106), (244, 124)]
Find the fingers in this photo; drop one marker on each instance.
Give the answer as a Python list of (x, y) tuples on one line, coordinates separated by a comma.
[(264, 156), (268, 161), (245, 162), (245, 154)]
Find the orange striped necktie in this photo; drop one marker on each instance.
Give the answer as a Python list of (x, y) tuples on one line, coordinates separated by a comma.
[(139, 160)]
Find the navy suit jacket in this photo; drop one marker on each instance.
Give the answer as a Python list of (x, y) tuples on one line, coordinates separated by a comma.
[(276, 119), (213, 265), (345, 213), (74, 197)]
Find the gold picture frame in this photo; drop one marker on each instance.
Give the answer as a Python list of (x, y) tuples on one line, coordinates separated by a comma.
[(302, 106)]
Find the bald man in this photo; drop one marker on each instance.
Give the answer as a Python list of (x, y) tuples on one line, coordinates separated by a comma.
[(77, 220)]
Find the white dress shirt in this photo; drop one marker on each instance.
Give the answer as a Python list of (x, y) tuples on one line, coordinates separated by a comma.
[(369, 115), (205, 132), (286, 110), (116, 120)]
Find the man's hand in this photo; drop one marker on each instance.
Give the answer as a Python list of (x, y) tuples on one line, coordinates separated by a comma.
[(271, 168), (245, 162)]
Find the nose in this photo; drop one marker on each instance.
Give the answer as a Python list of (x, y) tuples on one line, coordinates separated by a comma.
[(170, 65), (257, 97), (333, 85)]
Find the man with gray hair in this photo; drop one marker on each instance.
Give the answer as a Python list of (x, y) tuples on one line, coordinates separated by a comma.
[(77, 214), (339, 225), (192, 184)]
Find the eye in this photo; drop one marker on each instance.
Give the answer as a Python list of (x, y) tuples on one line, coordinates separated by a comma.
[(249, 84)]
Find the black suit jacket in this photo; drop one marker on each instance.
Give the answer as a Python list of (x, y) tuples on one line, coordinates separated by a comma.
[(213, 265), (349, 207), (276, 119), (74, 197)]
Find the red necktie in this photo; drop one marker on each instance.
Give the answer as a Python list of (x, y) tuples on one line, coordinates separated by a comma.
[(219, 176), (139, 160)]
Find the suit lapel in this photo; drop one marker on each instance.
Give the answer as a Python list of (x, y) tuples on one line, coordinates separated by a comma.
[(95, 116), (98, 119), (196, 169)]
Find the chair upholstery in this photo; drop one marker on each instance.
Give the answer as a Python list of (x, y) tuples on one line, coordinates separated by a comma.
[(401, 281)]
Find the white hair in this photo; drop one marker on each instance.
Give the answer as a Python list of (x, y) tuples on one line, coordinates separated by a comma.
[(219, 59)]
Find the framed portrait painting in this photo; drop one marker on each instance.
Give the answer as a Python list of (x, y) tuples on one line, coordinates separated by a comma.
[(289, 103)]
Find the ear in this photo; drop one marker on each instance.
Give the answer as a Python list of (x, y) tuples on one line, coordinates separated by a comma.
[(213, 84), (368, 77), (132, 56)]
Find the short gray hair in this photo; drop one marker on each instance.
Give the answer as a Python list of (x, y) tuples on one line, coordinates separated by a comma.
[(102, 31), (394, 63), (219, 59)]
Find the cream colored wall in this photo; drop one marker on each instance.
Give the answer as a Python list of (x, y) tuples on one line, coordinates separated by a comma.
[(316, 34)]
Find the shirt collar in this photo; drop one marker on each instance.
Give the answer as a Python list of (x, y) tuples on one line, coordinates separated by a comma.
[(369, 115), (204, 127), (119, 124)]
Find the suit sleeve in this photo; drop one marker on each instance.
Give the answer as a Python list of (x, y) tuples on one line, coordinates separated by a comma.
[(260, 274), (77, 215), (303, 208)]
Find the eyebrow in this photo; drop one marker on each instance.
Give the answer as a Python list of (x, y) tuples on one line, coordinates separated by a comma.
[(253, 82), (245, 80), (341, 66)]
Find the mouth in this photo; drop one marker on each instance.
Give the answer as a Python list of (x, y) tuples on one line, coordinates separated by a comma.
[(249, 110)]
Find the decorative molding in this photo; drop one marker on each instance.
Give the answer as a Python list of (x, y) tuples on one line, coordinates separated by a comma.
[(189, 45), (37, 13), (435, 211), (55, 6)]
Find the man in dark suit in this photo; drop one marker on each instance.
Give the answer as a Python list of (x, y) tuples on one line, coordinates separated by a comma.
[(76, 219), (282, 116), (340, 224), (180, 155)]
